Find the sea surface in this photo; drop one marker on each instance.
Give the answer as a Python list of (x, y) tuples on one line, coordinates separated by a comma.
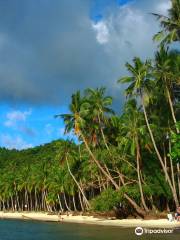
[(32, 230)]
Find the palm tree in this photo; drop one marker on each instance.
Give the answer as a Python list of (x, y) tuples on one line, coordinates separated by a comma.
[(133, 129), (140, 85), (165, 62), (170, 24), (99, 110), (78, 185), (77, 120), (74, 120)]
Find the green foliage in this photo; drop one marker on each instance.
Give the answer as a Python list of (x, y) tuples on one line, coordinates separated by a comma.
[(175, 151), (106, 201), (170, 24)]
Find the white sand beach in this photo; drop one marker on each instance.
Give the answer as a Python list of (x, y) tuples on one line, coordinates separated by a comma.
[(39, 216)]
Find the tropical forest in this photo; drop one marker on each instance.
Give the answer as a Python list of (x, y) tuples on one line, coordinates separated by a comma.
[(128, 162)]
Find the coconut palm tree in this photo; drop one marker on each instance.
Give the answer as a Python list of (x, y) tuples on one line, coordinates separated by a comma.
[(140, 83), (165, 63), (77, 119), (99, 111), (74, 120), (170, 24), (133, 129)]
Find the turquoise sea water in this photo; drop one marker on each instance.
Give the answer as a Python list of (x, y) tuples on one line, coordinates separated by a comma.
[(31, 230)]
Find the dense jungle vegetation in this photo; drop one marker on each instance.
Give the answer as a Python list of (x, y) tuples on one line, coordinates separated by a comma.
[(129, 161)]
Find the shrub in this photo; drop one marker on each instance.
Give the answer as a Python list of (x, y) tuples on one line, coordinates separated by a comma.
[(106, 200)]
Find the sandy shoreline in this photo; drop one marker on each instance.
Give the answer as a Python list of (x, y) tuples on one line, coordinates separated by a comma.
[(38, 216)]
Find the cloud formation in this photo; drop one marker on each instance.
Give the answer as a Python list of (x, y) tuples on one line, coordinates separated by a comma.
[(16, 120), (49, 49), (12, 142), (101, 31), (13, 117)]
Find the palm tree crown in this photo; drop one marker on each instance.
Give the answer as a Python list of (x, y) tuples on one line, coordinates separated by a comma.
[(140, 77), (170, 24)]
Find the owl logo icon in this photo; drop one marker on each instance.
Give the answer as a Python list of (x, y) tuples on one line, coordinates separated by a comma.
[(139, 231)]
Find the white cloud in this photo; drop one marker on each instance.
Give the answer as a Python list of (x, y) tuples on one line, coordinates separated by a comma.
[(14, 117), (11, 142), (163, 7), (102, 32), (130, 33)]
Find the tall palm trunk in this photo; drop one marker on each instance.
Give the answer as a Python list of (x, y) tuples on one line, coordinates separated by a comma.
[(165, 158), (26, 200), (65, 201), (139, 177), (12, 203), (102, 133), (78, 185), (60, 204), (158, 154), (80, 200), (172, 109), (98, 164), (31, 201), (74, 203), (17, 207), (35, 199)]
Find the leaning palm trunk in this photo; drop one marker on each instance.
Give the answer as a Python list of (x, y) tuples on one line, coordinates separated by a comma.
[(172, 109), (98, 164), (65, 201), (138, 209), (36, 200), (158, 155), (80, 200), (165, 159), (74, 203), (103, 136), (85, 199), (60, 205), (139, 177)]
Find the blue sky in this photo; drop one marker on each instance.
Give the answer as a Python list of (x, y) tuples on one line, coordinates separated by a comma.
[(98, 7), (50, 49), (26, 126)]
